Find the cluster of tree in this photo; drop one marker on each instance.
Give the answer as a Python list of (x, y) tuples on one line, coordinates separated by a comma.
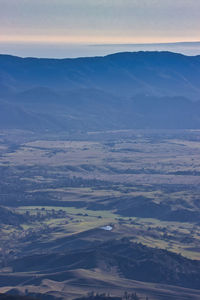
[(15, 297), (106, 296)]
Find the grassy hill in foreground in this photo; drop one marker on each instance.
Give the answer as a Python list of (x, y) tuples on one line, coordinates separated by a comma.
[(129, 260)]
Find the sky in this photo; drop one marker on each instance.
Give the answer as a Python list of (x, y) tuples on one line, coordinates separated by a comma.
[(39, 24)]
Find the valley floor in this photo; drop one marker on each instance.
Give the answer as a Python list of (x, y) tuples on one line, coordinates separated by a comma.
[(57, 192)]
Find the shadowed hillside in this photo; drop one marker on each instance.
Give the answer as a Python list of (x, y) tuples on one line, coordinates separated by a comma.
[(119, 91), (157, 73), (132, 261)]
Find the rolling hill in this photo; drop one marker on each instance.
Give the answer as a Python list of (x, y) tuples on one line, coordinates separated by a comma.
[(124, 258)]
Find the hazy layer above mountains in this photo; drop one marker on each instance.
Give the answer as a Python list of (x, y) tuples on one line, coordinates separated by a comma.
[(124, 90), (58, 50)]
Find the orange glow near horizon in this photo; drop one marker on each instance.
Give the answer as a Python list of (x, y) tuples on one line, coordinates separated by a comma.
[(91, 39)]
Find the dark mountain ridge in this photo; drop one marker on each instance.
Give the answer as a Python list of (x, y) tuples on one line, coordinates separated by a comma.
[(157, 90), (131, 260), (127, 74)]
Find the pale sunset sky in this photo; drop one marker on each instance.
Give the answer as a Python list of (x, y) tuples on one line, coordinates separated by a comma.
[(35, 24)]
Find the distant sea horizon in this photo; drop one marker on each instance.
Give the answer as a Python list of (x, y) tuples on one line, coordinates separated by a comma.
[(50, 50)]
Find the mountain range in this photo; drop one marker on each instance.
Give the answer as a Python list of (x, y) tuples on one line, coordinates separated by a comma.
[(123, 90)]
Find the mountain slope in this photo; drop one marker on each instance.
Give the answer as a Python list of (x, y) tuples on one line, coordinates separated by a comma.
[(120, 91), (129, 260), (90, 109), (127, 74)]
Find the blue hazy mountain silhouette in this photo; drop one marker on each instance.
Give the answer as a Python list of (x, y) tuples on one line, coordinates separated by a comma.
[(123, 90)]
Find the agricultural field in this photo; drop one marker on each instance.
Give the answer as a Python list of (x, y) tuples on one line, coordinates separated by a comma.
[(63, 193)]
